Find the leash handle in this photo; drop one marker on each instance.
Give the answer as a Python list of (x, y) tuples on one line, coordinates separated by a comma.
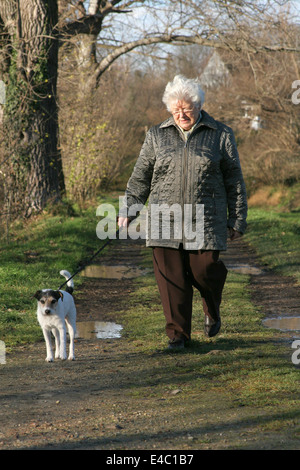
[(91, 258)]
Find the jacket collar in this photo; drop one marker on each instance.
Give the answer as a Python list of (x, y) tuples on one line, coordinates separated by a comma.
[(206, 120)]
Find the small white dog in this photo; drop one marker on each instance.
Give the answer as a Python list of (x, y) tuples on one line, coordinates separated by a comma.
[(56, 308)]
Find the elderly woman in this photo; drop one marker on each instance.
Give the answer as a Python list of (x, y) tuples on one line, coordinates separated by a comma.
[(190, 161)]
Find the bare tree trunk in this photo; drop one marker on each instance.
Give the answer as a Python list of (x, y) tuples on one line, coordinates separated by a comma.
[(31, 108)]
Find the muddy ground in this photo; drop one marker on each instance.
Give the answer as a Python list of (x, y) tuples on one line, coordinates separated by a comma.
[(104, 399)]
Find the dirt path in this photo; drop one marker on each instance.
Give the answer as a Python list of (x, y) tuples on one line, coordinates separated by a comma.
[(278, 295), (107, 398)]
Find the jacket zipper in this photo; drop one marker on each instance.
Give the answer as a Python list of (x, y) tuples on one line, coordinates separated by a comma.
[(184, 184)]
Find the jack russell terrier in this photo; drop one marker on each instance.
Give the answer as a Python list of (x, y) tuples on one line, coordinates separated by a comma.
[(56, 308)]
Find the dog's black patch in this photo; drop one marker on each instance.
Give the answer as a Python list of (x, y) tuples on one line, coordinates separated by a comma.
[(70, 290), (38, 294), (56, 294)]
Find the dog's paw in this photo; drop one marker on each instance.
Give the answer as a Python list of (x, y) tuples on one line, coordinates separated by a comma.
[(49, 359), (71, 358)]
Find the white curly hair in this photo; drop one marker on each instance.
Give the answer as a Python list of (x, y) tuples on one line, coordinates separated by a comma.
[(182, 88)]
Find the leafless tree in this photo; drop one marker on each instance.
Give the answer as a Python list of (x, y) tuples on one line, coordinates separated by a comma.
[(101, 31), (226, 24)]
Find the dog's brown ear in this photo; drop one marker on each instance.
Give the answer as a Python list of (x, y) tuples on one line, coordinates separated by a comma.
[(38, 294), (61, 295)]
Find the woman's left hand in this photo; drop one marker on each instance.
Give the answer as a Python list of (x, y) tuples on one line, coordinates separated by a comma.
[(234, 234)]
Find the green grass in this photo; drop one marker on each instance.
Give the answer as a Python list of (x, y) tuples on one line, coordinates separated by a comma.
[(276, 238)]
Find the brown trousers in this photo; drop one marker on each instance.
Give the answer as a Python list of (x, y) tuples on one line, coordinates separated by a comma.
[(176, 272)]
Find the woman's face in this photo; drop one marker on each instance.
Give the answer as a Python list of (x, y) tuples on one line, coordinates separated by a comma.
[(185, 114)]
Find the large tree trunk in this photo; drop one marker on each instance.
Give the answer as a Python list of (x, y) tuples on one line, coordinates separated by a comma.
[(40, 60), (31, 108)]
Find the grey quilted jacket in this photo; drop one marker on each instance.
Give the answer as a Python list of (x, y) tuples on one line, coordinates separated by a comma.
[(202, 171)]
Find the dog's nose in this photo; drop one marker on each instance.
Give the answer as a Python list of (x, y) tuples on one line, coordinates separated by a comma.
[(47, 311)]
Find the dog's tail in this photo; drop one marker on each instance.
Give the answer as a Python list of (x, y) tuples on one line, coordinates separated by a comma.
[(70, 283)]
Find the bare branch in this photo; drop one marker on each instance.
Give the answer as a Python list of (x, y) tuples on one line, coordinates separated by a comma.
[(180, 40), (91, 23)]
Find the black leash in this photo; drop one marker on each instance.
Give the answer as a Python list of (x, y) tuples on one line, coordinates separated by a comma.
[(92, 257)]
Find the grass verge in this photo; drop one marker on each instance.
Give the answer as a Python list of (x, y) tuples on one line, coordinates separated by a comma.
[(276, 238)]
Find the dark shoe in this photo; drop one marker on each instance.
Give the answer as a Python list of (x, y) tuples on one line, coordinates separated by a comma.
[(211, 327), (176, 343)]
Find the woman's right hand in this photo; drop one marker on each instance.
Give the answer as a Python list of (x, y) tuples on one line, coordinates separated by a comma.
[(123, 222)]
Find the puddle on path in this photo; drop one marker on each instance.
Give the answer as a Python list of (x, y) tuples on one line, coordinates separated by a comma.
[(283, 323), (244, 269), (98, 330), (113, 272)]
